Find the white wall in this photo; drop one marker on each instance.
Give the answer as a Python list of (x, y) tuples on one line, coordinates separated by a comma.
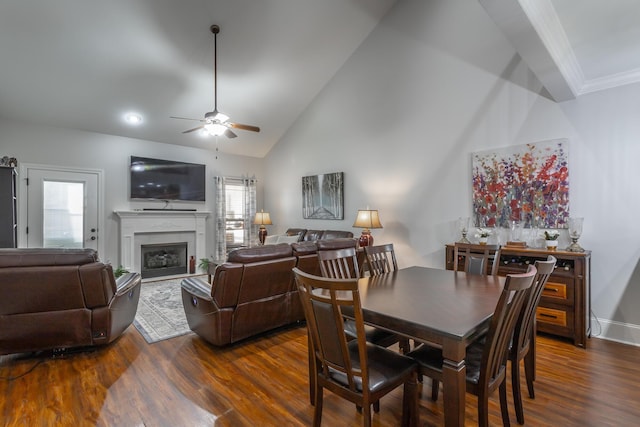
[(78, 149), (434, 82)]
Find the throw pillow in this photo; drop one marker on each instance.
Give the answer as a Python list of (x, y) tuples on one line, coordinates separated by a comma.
[(287, 239), (271, 240)]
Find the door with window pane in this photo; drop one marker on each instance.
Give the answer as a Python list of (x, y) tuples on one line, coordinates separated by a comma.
[(62, 209)]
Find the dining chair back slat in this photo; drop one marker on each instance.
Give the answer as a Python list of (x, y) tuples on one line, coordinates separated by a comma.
[(339, 263), (381, 259)]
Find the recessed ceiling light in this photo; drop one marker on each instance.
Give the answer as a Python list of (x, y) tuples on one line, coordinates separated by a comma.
[(133, 118)]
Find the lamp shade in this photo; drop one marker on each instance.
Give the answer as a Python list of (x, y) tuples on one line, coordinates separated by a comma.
[(262, 218), (367, 218)]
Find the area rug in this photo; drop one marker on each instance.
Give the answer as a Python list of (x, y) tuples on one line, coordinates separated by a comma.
[(160, 314)]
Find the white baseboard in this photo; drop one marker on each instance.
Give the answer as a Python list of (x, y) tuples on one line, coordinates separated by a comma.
[(612, 330)]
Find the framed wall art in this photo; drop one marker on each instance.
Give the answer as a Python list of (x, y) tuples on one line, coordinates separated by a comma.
[(322, 196), (528, 183)]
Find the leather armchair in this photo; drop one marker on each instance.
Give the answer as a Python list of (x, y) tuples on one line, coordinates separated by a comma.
[(62, 298), (251, 293)]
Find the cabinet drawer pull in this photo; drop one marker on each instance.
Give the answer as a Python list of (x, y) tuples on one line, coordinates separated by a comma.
[(551, 289), (547, 315)]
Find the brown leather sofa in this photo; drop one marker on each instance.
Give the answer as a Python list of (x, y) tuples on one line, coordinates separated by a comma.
[(305, 235), (62, 298), (253, 292)]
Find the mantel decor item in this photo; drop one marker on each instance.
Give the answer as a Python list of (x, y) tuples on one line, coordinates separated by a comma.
[(575, 231), (262, 218), (323, 196), (463, 228), (366, 219)]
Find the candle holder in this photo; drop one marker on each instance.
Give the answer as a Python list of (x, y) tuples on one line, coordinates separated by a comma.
[(463, 227), (575, 231)]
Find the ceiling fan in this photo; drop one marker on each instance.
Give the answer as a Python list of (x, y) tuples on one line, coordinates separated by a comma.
[(215, 122)]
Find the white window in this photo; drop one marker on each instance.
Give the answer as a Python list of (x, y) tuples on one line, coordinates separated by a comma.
[(235, 208)]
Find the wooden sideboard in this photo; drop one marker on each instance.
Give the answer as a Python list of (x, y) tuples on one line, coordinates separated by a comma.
[(565, 306)]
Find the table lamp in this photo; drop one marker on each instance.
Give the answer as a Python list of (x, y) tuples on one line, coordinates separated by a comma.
[(262, 218), (366, 219)]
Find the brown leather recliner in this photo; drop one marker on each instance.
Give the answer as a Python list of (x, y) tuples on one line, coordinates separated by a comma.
[(251, 293), (62, 298)]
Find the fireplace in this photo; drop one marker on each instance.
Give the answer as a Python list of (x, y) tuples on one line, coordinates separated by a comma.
[(163, 259), (142, 228)]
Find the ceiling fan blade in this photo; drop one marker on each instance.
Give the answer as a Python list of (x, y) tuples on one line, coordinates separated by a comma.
[(194, 129), (244, 127), (186, 118), (229, 134)]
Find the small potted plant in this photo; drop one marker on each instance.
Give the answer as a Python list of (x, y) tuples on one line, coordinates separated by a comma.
[(483, 235), (551, 238), (120, 271), (204, 264)]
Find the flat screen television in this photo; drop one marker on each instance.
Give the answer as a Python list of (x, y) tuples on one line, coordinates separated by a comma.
[(166, 180)]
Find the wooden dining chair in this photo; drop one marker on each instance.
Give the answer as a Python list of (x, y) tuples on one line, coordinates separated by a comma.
[(523, 343), (354, 369), (339, 263), (380, 259), (476, 258), (485, 360), (343, 264)]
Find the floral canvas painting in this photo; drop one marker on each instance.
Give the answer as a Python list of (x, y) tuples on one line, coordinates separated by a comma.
[(528, 183)]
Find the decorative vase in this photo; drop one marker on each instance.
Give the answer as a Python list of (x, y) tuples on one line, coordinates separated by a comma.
[(192, 265), (552, 245), (483, 240)]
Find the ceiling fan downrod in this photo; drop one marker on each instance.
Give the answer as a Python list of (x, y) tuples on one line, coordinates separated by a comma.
[(215, 29)]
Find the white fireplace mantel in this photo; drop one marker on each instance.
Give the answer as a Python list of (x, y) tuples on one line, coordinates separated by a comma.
[(136, 224)]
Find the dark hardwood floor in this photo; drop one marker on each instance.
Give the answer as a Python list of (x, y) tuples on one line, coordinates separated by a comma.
[(185, 382)]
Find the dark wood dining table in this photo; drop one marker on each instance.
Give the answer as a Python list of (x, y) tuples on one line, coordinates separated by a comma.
[(443, 307)]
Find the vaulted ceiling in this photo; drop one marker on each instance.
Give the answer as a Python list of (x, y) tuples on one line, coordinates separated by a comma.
[(85, 64), (574, 47)]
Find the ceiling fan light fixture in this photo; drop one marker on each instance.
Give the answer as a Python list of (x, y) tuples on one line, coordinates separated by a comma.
[(216, 129), (216, 116), (215, 122)]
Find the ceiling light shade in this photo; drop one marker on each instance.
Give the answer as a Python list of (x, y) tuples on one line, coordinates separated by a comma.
[(216, 129), (366, 219), (216, 116)]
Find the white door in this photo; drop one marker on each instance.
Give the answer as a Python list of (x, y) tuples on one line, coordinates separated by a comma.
[(62, 208)]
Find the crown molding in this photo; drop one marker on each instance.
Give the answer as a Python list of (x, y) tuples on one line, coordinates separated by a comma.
[(545, 21), (536, 32)]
